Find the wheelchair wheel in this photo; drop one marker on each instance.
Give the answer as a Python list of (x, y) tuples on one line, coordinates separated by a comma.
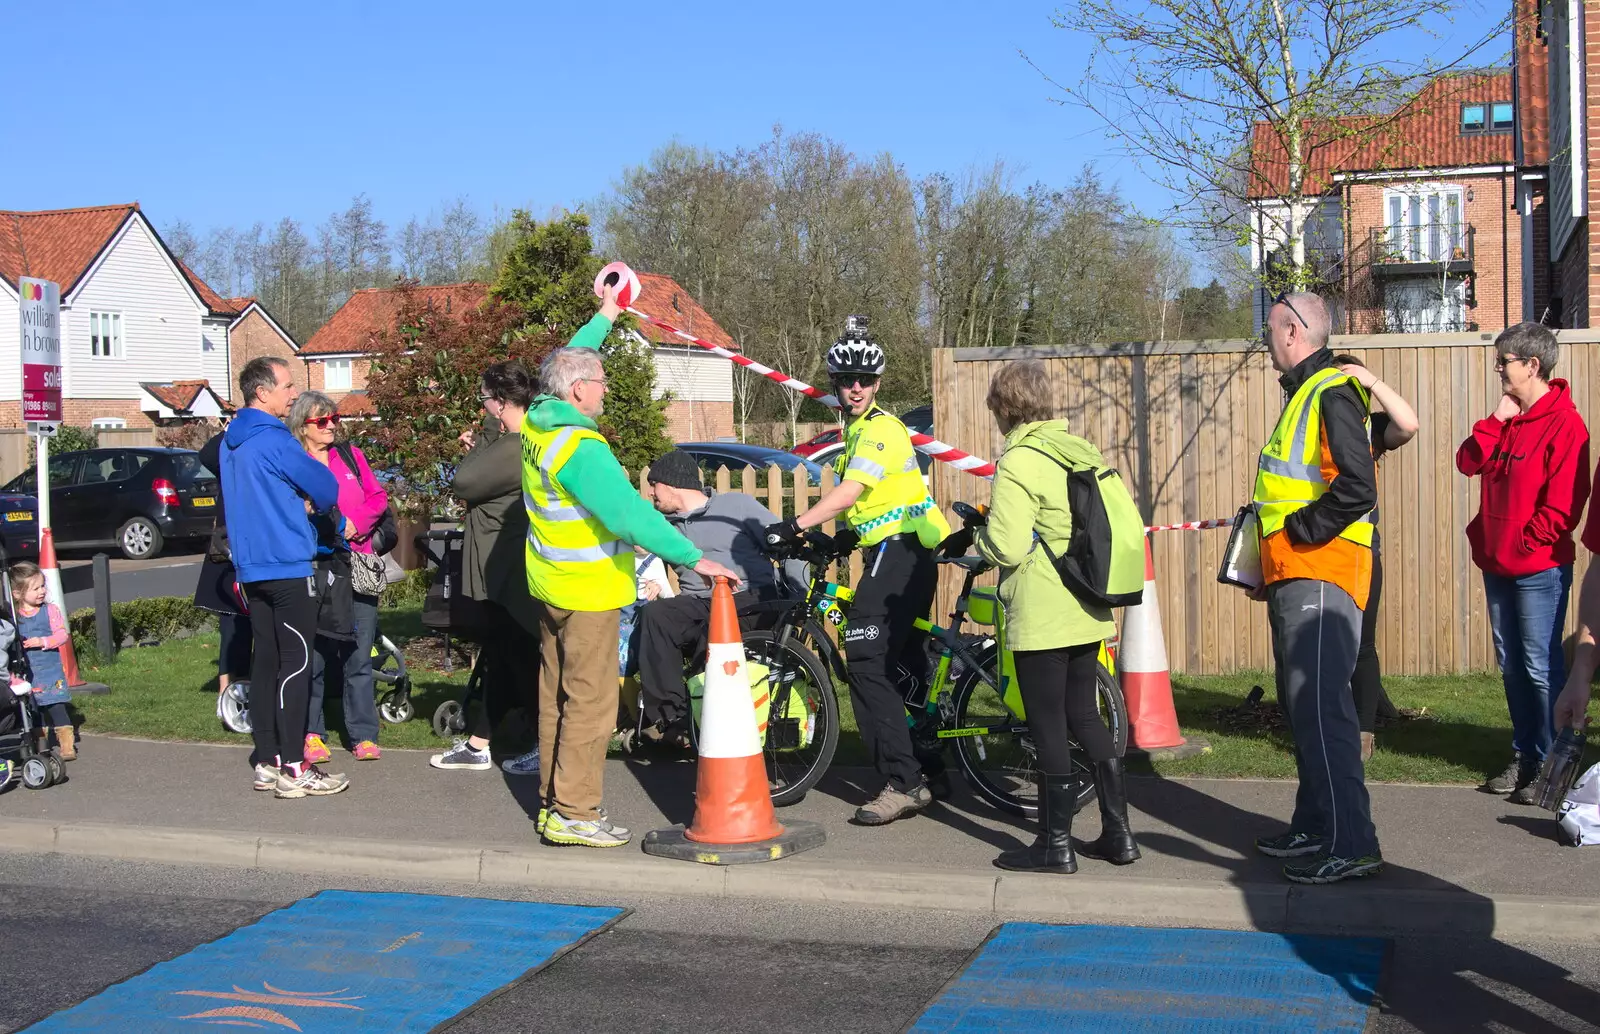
[(449, 719), (800, 710), (233, 706), (36, 773), (396, 707)]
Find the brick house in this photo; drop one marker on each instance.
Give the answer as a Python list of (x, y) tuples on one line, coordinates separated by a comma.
[(1557, 70), (133, 318), (700, 383), (1417, 220)]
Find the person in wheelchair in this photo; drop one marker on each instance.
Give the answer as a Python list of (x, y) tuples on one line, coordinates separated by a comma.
[(730, 529)]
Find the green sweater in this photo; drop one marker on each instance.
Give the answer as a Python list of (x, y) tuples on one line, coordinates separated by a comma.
[(598, 482), (1030, 496)]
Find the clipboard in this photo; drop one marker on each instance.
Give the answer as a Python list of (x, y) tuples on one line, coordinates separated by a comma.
[(1241, 560)]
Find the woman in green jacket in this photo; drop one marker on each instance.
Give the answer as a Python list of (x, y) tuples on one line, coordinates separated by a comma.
[(1055, 638)]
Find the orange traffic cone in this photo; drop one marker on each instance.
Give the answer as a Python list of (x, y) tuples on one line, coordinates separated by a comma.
[(734, 820), (1146, 680), (52, 581)]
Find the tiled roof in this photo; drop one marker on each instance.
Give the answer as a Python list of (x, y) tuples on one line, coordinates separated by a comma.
[(239, 304), (179, 396), (350, 329), (661, 297), (357, 403), (218, 305), (58, 245), (1427, 134)]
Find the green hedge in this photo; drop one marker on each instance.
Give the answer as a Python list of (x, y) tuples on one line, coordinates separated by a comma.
[(409, 591), (157, 617)]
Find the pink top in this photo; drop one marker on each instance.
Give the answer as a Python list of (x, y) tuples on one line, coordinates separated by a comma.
[(58, 627), (362, 498)]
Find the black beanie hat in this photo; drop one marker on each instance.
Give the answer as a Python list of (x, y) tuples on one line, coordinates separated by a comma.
[(676, 469)]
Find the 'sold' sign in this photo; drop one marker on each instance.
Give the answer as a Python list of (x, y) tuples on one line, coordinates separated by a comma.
[(41, 350)]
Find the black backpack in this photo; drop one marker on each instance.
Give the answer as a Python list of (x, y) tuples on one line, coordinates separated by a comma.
[(385, 534)]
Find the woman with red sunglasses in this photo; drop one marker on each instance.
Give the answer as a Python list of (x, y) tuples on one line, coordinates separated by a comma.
[(314, 419)]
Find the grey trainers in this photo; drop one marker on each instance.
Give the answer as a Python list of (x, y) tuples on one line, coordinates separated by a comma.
[(558, 829), (312, 782), (1290, 844), (891, 804), (266, 777), (463, 756), (1507, 781), (522, 765), (1332, 869)]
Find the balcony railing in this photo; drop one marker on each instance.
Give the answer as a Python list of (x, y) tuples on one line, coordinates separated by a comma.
[(1428, 248)]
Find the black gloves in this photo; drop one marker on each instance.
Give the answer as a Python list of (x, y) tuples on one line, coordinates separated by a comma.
[(957, 544), (846, 540), (784, 534)]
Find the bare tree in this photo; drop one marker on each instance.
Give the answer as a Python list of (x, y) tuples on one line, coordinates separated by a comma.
[(1228, 101)]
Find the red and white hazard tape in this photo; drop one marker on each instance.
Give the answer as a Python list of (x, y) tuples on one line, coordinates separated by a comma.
[(1215, 522), (924, 443)]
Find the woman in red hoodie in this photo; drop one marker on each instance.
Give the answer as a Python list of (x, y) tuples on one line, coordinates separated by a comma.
[(1532, 454)]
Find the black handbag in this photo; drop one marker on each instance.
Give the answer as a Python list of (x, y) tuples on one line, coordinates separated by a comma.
[(385, 535)]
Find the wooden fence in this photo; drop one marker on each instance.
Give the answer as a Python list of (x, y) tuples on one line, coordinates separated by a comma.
[(1184, 422)]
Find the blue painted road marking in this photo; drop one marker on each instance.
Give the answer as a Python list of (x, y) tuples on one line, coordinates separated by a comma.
[(340, 962), (1119, 980)]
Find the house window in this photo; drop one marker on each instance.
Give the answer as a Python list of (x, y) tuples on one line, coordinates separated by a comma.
[(1423, 224), (1473, 118), (108, 423), (336, 375), (1426, 306), (105, 335), (1502, 117)]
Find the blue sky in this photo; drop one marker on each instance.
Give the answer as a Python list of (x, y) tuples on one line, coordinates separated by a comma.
[(231, 113)]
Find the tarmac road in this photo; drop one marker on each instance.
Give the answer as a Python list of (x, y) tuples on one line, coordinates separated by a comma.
[(693, 964)]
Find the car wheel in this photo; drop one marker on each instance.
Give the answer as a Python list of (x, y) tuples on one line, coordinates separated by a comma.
[(139, 538)]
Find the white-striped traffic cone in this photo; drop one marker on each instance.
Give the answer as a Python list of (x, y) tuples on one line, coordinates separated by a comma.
[(1146, 680), (734, 820)]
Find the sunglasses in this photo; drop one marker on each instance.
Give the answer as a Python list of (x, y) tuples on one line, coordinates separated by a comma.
[(866, 380), (1283, 299), (1506, 360), (324, 422)]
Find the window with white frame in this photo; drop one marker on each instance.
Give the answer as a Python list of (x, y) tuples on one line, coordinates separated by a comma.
[(105, 335), (1424, 224), (1428, 305), (108, 423), (336, 375)]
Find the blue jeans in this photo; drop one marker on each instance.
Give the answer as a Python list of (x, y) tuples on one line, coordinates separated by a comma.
[(350, 664), (1527, 615)]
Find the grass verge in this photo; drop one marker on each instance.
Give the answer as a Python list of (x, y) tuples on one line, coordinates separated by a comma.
[(168, 692)]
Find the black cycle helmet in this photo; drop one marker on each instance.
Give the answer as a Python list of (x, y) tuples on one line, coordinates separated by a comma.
[(855, 351)]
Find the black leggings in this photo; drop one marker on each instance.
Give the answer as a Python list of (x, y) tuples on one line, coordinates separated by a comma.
[(1058, 690), (508, 674), (283, 624), (1367, 682)]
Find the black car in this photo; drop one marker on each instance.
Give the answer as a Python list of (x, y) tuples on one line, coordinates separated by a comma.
[(19, 528), (137, 499)]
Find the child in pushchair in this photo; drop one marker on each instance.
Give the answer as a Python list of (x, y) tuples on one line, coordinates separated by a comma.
[(22, 715)]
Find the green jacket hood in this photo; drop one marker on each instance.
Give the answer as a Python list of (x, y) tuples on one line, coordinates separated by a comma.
[(1054, 439), (549, 412)]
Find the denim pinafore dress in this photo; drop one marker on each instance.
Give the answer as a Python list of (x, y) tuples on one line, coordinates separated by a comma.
[(49, 678)]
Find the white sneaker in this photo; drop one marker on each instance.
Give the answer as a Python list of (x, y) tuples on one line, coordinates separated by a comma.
[(312, 782), (463, 756), (266, 777), (525, 765)]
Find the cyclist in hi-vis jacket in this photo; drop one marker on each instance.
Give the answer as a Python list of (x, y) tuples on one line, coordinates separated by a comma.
[(887, 507)]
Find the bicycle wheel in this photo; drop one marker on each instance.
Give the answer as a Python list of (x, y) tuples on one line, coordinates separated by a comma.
[(1000, 765), (801, 713)]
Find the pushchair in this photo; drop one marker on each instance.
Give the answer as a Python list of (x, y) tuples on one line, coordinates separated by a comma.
[(20, 719), (448, 610)]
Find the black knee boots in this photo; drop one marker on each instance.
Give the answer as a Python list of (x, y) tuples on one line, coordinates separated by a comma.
[(1116, 843), (1051, 851)]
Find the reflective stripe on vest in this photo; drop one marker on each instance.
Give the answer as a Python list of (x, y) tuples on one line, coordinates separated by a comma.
[(1289, 471), (573, 561)]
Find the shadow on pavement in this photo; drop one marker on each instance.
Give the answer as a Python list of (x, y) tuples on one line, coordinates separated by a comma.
[(1226, 836)]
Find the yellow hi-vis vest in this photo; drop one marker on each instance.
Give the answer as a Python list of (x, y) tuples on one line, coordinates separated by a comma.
[(573, 561), (878, 454), (1289, 472)]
